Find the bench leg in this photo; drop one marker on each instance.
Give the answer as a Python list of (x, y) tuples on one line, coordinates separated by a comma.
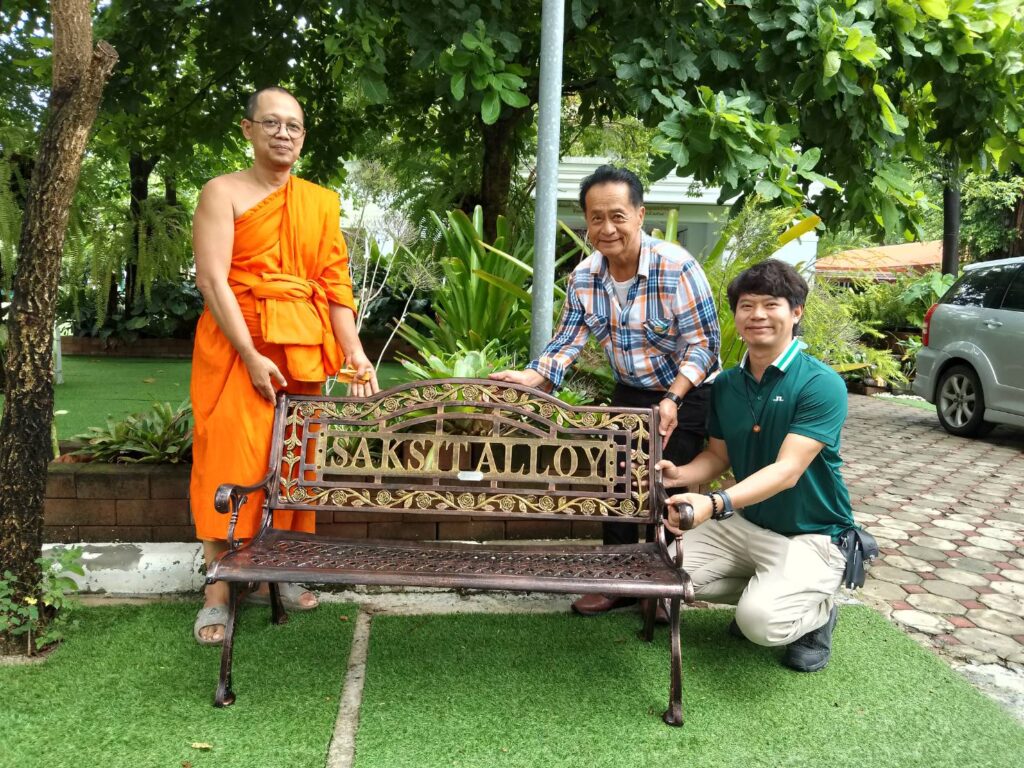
[(650, 610), (225, 697), (674, 714), (278, 615)]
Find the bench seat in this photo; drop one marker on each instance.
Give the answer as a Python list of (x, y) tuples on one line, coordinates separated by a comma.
[(628, 570)]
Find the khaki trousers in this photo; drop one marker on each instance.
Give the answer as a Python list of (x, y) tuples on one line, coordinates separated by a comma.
[(782, 586)]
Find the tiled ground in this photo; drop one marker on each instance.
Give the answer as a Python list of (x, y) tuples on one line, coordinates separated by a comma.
[(948, 513)]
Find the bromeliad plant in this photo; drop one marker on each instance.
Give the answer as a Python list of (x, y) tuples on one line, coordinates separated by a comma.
[(481, 296), (162, 435)]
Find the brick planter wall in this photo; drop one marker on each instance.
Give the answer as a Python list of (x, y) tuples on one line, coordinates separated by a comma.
[(110, 502), (80, 345), (140, 503)]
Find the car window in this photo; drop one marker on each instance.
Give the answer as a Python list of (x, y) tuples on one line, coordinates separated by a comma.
[(1014, 298), (981, 287)]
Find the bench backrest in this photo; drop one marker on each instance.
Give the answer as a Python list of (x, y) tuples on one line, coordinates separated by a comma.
[(465, 446)]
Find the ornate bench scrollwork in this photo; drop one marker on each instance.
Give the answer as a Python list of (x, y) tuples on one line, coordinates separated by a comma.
[(458, 447)]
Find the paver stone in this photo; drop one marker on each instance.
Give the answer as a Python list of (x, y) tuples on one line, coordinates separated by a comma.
[(909, 563), (932, 543), (894, 575), (997, 621), (988, 542), (923, 622), (950, 589), (936, 604), (991, 642), (923, 553), (1012, 588), (1004, 603)]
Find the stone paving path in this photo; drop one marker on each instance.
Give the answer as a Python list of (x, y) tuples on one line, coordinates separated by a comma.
[(948, 513)]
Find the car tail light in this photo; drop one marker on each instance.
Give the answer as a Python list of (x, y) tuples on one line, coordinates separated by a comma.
[(926, 326)]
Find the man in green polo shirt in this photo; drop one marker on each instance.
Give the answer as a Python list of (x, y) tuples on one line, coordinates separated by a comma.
[(775, 419)]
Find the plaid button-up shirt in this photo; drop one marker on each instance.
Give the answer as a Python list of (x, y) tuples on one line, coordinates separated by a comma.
[(668, 325)]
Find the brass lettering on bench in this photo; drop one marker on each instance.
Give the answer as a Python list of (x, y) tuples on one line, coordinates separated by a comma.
[(342, 452)]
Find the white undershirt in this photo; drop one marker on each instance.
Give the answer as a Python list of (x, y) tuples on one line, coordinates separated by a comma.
[(622, 289)]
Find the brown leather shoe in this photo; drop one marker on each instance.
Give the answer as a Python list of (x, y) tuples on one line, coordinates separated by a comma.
[(660, 614), (595, 605)]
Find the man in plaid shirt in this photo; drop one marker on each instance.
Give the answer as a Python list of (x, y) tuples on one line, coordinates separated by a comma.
[(649, 305)]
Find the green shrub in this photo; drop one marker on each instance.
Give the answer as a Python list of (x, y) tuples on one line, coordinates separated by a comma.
[(162, 435), (45, 611), (170, 310)]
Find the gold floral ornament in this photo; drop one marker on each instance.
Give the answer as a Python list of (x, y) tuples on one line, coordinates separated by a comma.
[(384, 498), (546, 503), (466, 501)]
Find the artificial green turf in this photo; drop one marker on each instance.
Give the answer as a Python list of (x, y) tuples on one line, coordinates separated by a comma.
[(131, 688), (559, 691), (98, 388)]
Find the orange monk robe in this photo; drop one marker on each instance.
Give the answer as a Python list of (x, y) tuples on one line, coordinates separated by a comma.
[(288, 263)]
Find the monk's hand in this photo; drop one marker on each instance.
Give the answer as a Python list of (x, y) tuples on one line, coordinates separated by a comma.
[(264, 374), (701, 510), (364, 381)]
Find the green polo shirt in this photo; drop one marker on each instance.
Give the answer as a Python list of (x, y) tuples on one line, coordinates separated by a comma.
[(797, 394)]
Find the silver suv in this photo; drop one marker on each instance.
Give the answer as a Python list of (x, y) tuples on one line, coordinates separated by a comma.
[(972, 362)]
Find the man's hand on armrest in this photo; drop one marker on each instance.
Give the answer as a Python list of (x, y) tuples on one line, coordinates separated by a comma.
[(530, 378)]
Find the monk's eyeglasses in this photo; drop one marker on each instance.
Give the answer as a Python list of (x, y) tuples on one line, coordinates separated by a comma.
[(271, 127)]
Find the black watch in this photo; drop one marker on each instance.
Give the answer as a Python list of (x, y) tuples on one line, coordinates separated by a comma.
[(726, 510), (672, 397)]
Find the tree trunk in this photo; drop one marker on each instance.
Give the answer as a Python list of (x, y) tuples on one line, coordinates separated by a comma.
[(139, 169), (170, 189), (496, 178), (1017, 223), (951, 219), (79, 74)]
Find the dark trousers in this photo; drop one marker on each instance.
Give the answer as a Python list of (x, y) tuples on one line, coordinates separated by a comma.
[(685, 442)]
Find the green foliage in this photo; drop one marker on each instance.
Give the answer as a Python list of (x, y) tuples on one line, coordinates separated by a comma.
[(893, 305), (482, 297), (463, 363), (834, 335), (43, 611), (988, 225), (162, 435), (922, 292), (169, 311), (10, 222)]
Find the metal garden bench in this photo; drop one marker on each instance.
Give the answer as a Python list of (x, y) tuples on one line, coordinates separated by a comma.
[(459, 447)]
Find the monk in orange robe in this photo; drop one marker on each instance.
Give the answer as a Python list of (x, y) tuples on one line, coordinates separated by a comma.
[(273, 268)]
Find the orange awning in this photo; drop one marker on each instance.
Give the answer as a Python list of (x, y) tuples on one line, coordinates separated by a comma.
[(883, 262)]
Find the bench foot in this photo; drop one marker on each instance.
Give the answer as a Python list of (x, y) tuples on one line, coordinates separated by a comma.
[(225, 697), (674, 714)]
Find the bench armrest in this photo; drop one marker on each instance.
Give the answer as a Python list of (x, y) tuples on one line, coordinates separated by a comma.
[(231, 497), (673, 559)]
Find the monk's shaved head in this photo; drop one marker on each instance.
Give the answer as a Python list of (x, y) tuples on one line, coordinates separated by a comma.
[(254, 101)]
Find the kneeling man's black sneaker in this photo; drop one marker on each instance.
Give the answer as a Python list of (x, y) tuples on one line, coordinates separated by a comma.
[(812, 651)]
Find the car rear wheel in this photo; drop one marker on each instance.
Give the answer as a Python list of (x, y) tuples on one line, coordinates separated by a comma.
[(960, 403)]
